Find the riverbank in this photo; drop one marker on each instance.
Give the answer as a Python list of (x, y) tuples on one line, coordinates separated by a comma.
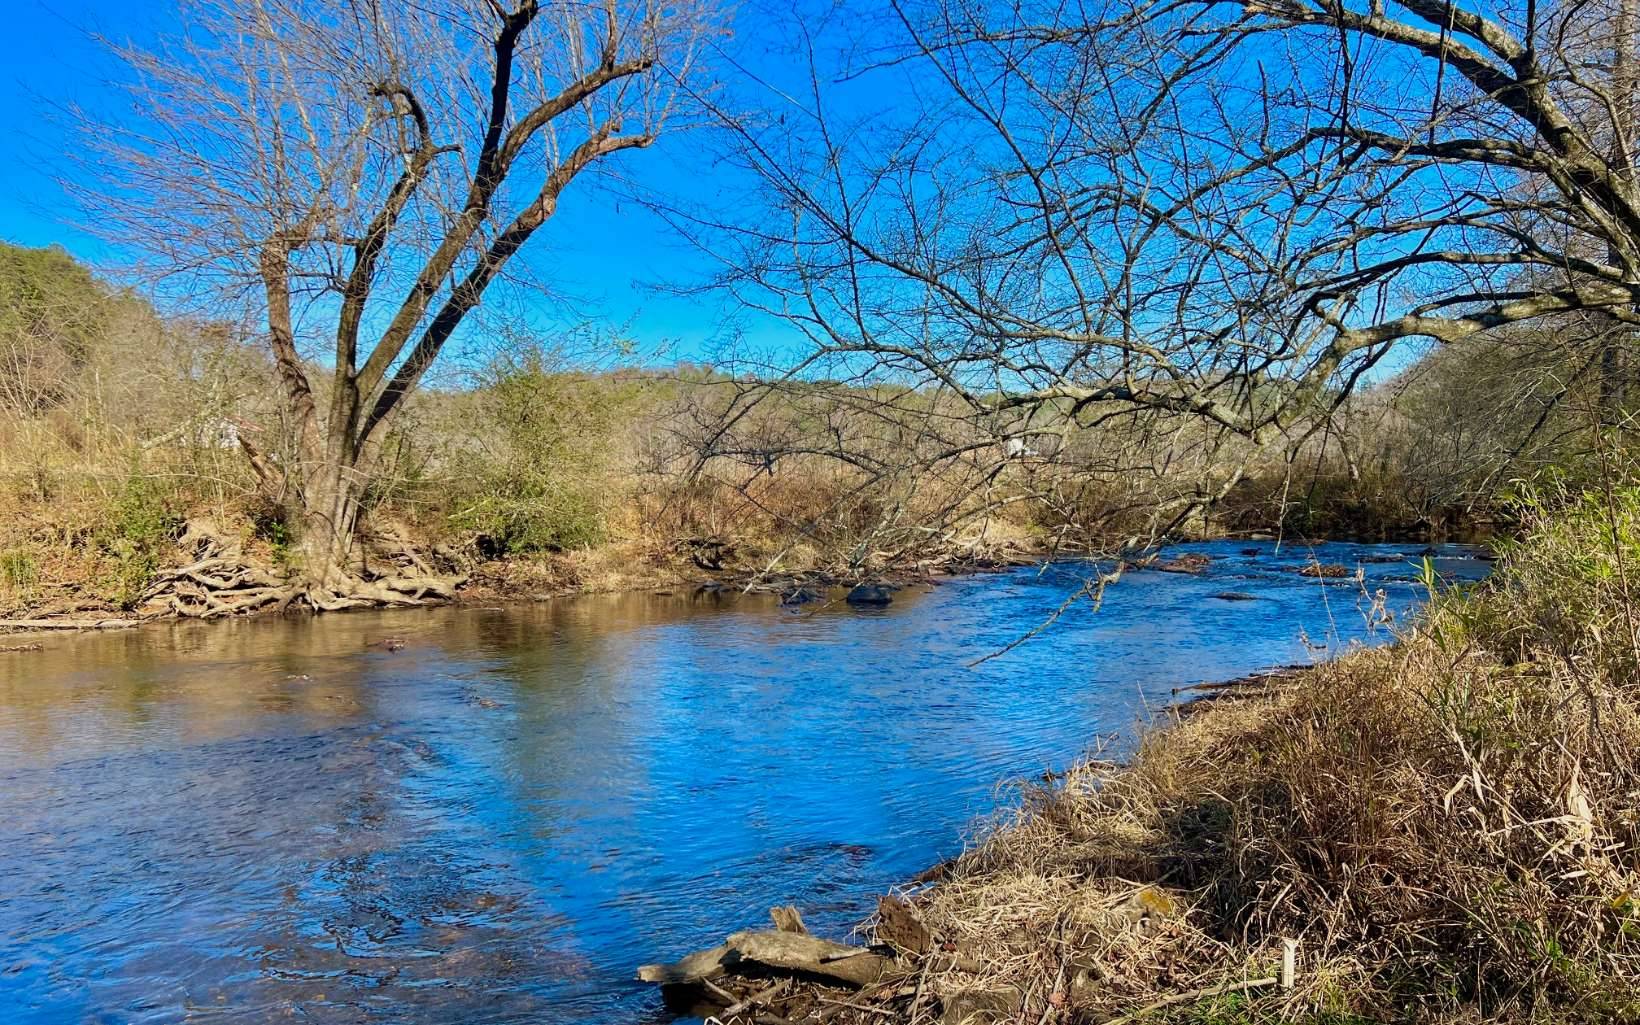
[(182, 579), (1443, 830), (71, 601)]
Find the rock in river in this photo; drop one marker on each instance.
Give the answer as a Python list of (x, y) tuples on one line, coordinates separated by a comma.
[(1189, 562), (1330, 570), (870, 594)]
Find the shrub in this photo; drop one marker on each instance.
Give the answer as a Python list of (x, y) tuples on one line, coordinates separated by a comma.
[(19, 576), (541, 478), (144, 520)]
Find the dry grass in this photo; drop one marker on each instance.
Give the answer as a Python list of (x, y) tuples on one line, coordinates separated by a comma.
[(1449, 828)]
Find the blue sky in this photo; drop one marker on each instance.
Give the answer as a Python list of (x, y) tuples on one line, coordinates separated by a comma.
[(606, 253), (603, 253), (47, 58)]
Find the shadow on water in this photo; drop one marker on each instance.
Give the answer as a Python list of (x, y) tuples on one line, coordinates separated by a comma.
[(498, 820)]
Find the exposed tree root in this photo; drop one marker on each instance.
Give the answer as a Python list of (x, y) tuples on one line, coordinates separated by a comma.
[(221, 581), (350, 592), (61, 624)]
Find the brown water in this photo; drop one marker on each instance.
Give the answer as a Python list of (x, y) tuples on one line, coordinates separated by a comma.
[(281, 819)]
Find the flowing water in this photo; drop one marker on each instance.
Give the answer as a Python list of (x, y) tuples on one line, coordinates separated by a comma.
[(496, 822)]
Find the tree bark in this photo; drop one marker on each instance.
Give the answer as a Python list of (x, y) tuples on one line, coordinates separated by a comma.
[(1613, 382), (326, 522)]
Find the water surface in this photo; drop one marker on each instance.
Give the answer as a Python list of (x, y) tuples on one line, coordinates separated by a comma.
[(283, 819)]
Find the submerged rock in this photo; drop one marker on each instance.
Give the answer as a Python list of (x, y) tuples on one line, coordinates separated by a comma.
[(1235, 596), (1189, 562), (1329, 570), (870, 594)]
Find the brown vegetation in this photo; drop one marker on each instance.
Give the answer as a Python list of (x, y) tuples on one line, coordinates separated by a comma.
[(534, 476), (126, 492)]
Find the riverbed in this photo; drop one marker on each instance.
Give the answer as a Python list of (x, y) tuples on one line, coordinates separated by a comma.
[(472, 815)]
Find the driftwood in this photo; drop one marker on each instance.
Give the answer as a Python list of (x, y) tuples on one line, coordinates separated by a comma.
[(68, 624), (899, 925), (786, 918), (765, 950), (762, 996)]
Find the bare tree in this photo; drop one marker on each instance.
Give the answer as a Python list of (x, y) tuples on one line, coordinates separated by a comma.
[(358, 175), (1228, 212)]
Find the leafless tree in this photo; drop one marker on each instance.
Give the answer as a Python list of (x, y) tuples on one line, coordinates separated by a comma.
[(358, 175), (1230, 212)]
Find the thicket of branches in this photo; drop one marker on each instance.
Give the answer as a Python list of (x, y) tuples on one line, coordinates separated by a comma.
[(592, 478), (1193, 219)]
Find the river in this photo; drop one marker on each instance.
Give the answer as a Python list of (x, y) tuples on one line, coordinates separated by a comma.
[(497, 816)]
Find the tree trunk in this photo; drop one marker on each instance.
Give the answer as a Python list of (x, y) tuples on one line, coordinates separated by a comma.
[(331, 571), (326, 520), (1613, 372), (328, 570)]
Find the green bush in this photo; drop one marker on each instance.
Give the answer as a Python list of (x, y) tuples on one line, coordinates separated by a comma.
[(19, 576), (143, 523), (51, 311), (1572, 582), (530, 522), (542, 482)]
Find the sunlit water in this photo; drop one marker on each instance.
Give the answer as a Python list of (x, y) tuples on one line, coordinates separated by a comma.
[(277, 819)]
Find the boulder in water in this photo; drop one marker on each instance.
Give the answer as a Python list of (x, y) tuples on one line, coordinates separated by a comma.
[(870, 594)]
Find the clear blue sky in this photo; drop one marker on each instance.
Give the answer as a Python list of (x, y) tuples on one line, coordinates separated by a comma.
[(46, 58), (604, 253), (607, 252)]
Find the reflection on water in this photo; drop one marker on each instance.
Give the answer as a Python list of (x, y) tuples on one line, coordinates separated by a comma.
[(497, 822)]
